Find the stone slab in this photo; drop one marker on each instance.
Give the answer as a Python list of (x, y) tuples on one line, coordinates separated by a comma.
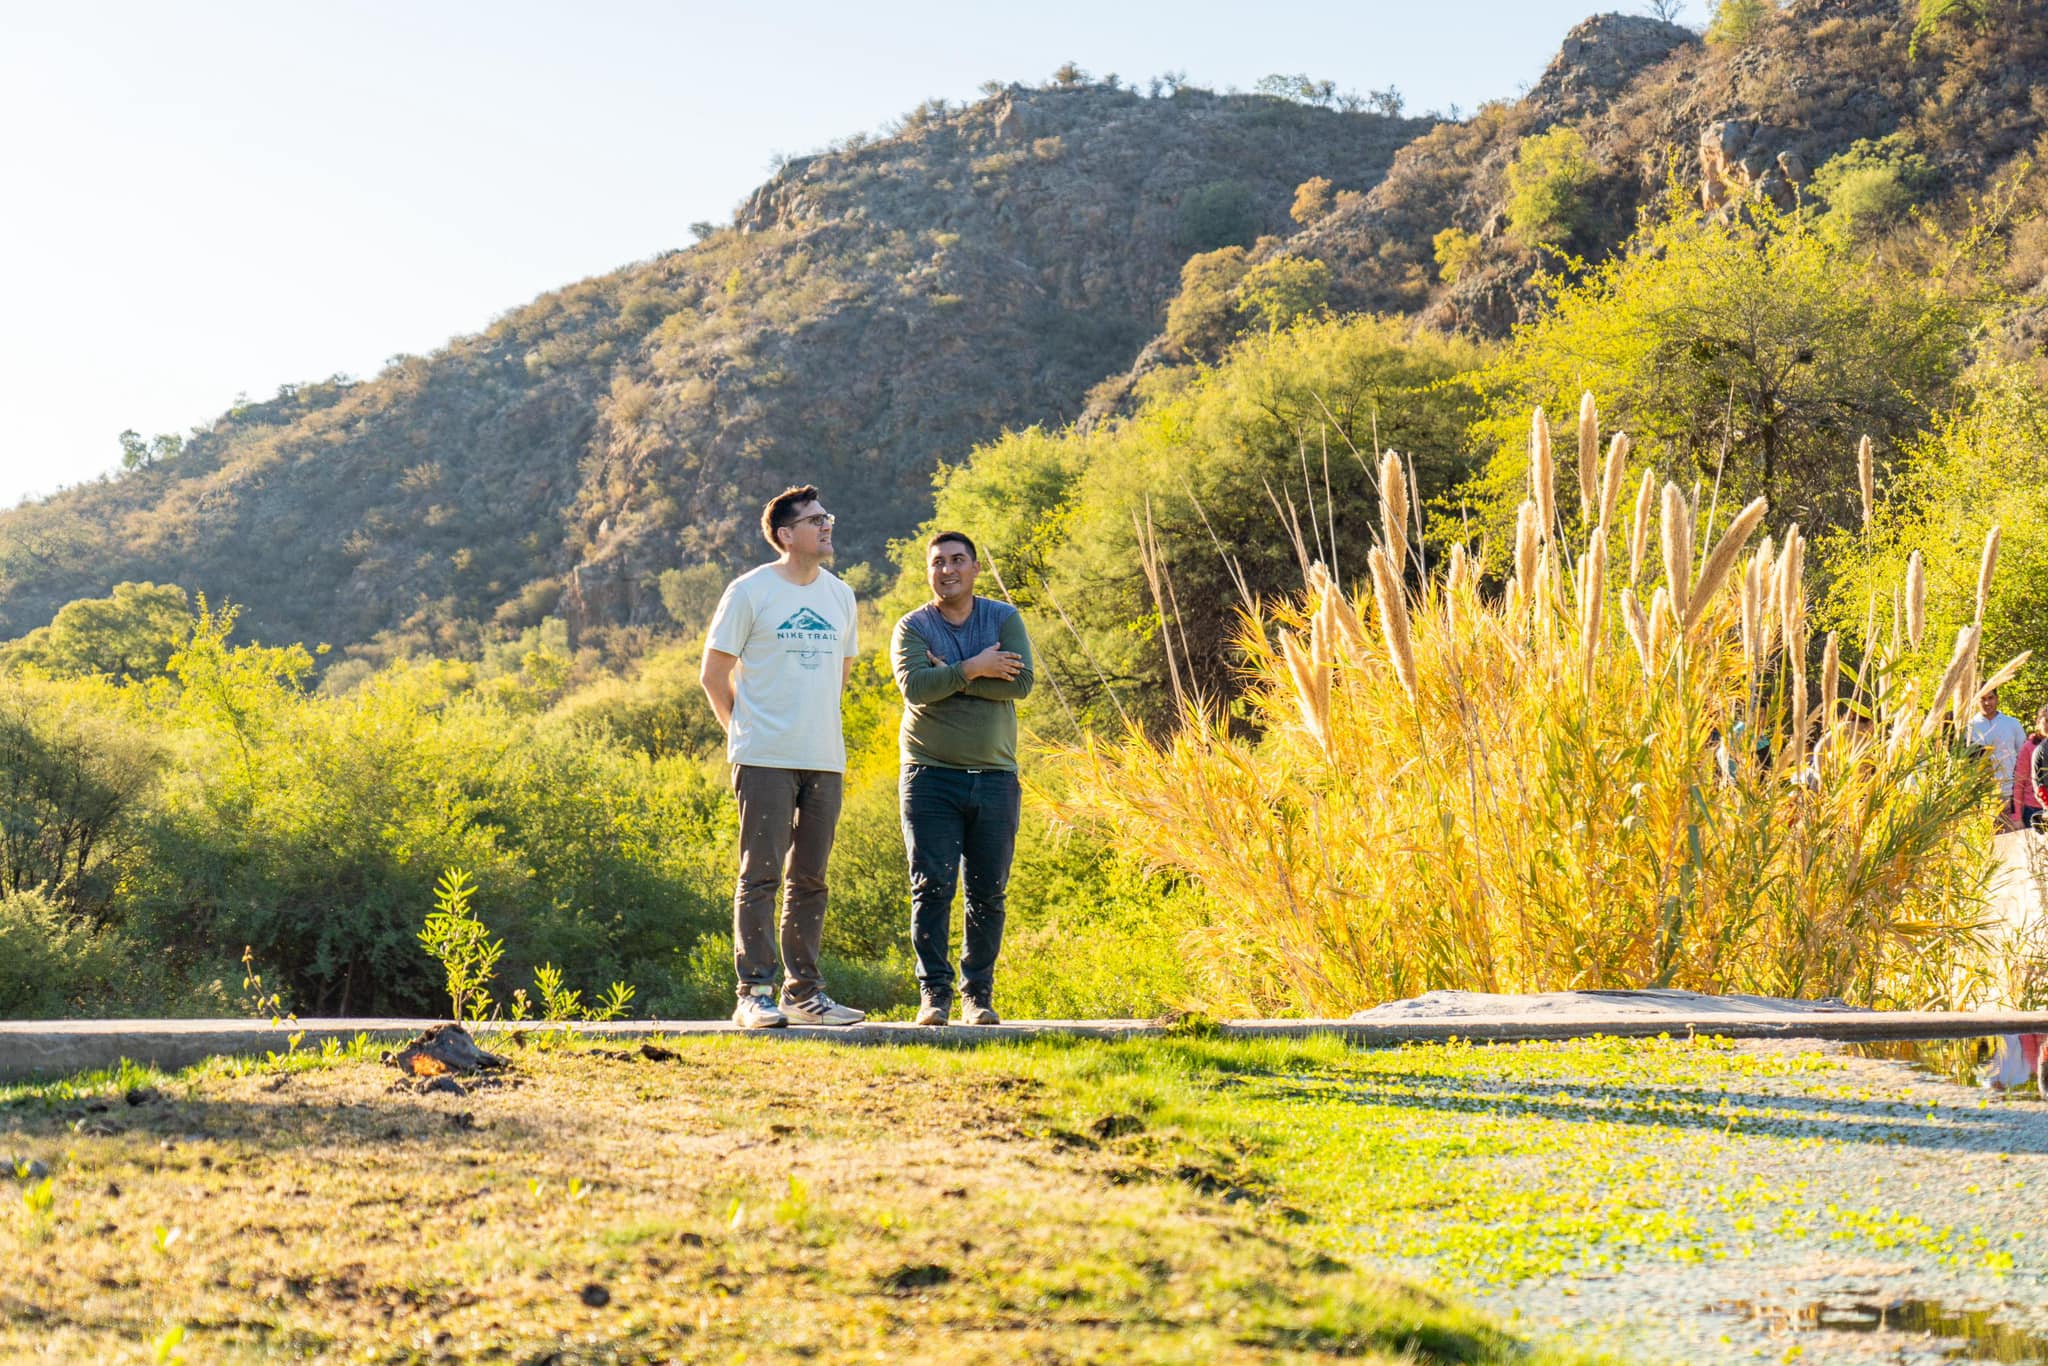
[(31, 1049)]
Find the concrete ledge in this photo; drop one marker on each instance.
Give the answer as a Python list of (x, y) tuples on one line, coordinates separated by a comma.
[(31, 1049)]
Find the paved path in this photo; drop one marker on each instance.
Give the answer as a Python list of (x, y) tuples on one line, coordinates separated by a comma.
[(49, 1048)]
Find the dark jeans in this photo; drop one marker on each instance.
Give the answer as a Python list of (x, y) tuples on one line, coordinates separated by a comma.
[(787, 818), (953, 816)]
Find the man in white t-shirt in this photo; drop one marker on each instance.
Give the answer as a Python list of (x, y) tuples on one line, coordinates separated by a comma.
[(781, 646), (2000, 737)]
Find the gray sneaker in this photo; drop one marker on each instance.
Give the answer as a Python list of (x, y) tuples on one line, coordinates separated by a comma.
[(756, 1010), (978, 1011), (933, 1010), (821, 1010)]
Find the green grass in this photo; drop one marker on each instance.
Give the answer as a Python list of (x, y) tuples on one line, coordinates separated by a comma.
[(1491, 1165)]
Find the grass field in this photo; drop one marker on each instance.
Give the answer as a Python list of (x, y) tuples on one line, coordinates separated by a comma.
[(746, 1200)]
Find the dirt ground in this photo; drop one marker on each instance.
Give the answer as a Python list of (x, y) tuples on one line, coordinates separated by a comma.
[(721, 1201)]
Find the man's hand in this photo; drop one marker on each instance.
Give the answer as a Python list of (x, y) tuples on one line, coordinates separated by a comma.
[(994, 662), (716, 676)]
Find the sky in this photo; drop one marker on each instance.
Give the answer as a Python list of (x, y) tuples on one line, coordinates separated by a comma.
[(207, 200)]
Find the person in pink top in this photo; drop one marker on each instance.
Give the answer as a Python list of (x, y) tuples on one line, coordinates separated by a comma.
[(2030, 774)]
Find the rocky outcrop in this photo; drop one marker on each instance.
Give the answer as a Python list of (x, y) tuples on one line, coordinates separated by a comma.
[(1599, 58), (1742, 161)]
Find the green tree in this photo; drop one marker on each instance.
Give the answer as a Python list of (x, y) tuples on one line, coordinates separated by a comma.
[(1547, 185), (1871, 188), (1984, 462), (138, 454), (1202, 318), (1276, 293), (1221, 213), (132, 632), (73, 770), (1455, 249), (1216, 462), (691, 595), (1760, 337), (1735, 22)]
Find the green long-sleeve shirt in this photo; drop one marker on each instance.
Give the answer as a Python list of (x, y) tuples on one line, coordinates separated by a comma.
[(950, 720)]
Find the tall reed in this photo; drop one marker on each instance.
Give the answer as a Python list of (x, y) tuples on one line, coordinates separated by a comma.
[(1522, 789)]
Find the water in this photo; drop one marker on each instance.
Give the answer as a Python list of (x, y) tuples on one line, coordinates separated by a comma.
[(1978, 1336)]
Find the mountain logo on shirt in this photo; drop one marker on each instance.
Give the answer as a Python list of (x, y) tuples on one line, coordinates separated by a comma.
[(808, 636)]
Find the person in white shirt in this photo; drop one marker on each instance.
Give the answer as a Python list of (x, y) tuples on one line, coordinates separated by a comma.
[(2000, 737), (780, 648)]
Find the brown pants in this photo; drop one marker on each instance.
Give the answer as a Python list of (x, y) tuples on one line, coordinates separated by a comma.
[(787, 818)]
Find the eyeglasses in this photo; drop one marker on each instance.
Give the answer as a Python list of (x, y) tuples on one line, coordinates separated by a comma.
[(821, 520)]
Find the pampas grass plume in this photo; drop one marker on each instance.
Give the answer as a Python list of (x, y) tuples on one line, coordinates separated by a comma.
[(1639, 529), (1866, 480), (1589, 453), (1542, 474), (1985, 568), (1610, 480), (1677, 535), (1394, 620), (1916, 599), (1723, 558)]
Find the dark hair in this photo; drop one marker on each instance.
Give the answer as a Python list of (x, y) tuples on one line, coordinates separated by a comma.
[(959, 536), (781, 511)]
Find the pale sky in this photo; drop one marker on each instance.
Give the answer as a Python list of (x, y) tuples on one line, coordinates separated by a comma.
[(201, 200)]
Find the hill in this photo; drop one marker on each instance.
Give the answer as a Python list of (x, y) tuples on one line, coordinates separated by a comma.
[(872, 311), (1939, 113)]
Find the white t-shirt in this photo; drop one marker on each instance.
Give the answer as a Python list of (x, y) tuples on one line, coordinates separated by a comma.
[(2001, 736), (791, 640)]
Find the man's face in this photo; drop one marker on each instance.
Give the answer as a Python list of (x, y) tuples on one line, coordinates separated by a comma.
[(1989, 702), (950, 570), (810, 535)]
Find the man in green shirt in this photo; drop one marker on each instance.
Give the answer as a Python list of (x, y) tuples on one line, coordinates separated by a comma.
[(962, 663)]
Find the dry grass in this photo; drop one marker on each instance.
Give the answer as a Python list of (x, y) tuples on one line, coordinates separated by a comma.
[(1524, 790), (738, 1200)]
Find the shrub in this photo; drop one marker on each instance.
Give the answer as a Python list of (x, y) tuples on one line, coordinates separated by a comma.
[(691, 595), (1202, 318), (1871, 188), (73, 773), (131, 632), (1276, 293), (1753, 353), (1219, 214), (1455, 249), (1983, 464), (1313, 200), (1558, 787), (1206, 460), (1547, 184), (1735, 22)]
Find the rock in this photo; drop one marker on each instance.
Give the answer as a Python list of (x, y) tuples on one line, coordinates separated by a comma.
[(445, 1086), (1600, 56), (595, 1295), (442, 1049), (654, 1052), (1009, 123), (1738, 167), (142, 1095), (26, 1169)]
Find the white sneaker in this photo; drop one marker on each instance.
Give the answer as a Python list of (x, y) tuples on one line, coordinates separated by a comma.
[(821, 1010), (756, 1010)]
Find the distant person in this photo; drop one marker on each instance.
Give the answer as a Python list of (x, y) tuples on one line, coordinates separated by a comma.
[(962, 662), (781, 645), (2030, 774), (2000, 737)]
